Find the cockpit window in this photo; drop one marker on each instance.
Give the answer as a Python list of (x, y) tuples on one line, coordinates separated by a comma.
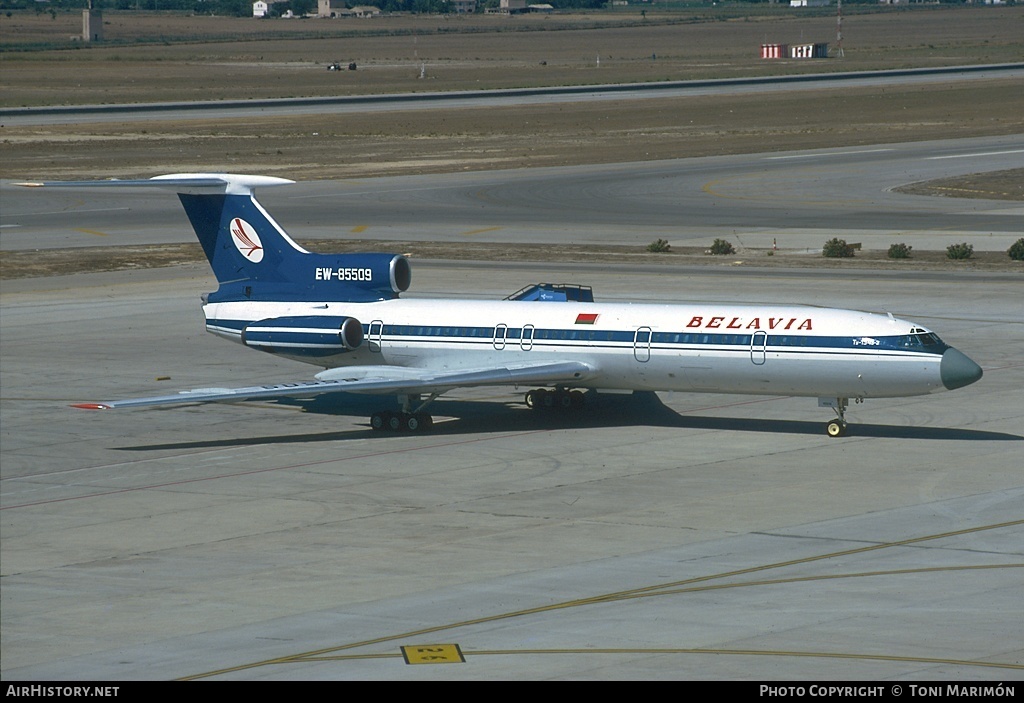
[(913, 341)]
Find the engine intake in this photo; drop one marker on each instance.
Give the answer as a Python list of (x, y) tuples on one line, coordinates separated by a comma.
[(314, 335)]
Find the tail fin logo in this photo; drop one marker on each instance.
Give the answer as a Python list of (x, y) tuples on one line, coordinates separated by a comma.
[(246, 240)]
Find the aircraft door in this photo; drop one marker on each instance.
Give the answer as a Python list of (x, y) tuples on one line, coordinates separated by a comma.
[(526, 340), (757, 347), (500, 332), (375, 336), (642, 344)]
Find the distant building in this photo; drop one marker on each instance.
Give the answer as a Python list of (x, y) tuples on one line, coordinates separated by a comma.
[(774, 51), (336, 8), (809, 3), (795, 51), (261, 8), (92, 24), (809, 51), (511, 7), (462, 7), (331, 8)]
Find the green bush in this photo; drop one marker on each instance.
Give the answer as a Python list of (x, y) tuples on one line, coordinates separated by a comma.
[(836, 248), (960, 251), (899, 251), (721, 247), (658, 246), (1016, 250)]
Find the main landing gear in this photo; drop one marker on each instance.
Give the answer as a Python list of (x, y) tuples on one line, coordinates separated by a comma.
[(558, 399), (412, 418), (386, 420), (407, 419)]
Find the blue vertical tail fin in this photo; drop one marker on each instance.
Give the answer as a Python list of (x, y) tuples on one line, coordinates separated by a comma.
[(253, 258)]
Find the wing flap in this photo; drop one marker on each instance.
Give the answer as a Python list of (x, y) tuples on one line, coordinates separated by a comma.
[(394, 380)]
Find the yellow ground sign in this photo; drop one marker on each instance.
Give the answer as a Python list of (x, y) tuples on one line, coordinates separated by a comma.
[(433, 654)]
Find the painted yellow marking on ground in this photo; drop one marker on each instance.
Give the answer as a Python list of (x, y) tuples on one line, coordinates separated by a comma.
[(689, 584), (358, 229), (91, 231), (471, 232), (433, 654), (808, 579)]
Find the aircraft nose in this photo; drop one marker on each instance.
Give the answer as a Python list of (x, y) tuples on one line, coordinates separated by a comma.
[(957, 369)]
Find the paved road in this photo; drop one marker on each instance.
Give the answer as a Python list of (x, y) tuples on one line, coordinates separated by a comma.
[(799, 199), (250, 109)]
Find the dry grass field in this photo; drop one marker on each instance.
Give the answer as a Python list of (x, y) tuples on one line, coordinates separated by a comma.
[(434, 141), (150, 57)]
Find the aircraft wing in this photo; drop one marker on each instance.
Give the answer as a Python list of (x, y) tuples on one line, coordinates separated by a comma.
[(393, 380)]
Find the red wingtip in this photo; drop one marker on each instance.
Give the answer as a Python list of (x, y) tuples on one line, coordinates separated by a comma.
[(91, 406)]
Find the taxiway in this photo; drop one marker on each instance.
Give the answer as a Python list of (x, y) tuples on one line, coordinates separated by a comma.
[(680, 537)]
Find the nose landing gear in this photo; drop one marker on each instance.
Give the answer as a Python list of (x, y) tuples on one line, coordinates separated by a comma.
[(837, 427)]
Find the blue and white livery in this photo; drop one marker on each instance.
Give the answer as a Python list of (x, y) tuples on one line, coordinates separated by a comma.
[(345, 314)]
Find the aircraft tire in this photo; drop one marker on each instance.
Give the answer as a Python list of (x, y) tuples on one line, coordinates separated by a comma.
[(543, 399), (836, 428), (540, 399), (379, 421), (417, 422)]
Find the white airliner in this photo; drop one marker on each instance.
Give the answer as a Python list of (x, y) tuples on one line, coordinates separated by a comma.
[(344, 313)]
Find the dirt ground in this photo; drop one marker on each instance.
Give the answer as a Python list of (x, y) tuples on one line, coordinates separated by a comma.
[(148, 57), (457, 53), (435, 141)]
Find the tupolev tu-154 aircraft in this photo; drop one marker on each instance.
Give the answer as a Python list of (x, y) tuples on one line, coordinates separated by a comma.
[(345, 314)]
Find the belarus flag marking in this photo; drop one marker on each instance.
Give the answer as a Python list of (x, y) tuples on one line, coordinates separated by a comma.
[(586, 318)]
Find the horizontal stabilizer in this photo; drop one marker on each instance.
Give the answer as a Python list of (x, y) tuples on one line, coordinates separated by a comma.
[(230, 183)]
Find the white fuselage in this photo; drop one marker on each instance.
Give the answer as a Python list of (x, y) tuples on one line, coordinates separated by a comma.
[(715, 348)]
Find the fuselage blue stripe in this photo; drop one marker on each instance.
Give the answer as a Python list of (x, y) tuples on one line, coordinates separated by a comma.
[(537, 338)]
